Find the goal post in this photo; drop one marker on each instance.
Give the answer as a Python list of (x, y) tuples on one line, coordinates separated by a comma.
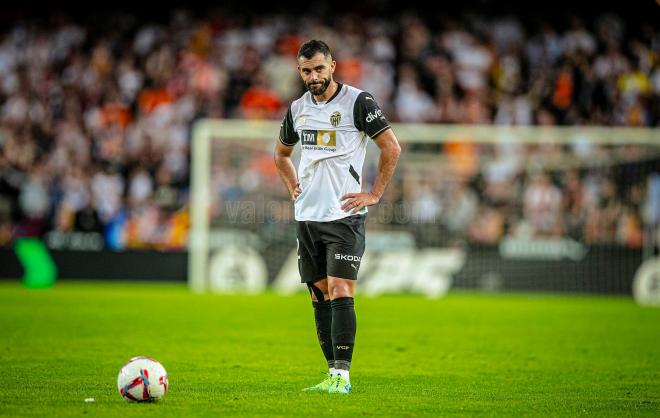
[(236, 200), (204, 132)]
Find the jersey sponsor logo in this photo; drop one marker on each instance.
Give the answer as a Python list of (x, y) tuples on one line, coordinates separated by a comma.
[(347, 257), (320, 138), (309, 137), (371, 116), (335, 118)]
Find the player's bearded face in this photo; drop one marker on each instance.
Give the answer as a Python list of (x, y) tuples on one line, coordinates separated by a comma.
[(319, 86)]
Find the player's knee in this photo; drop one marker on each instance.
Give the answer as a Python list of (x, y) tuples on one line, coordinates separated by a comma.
[(341, 290)]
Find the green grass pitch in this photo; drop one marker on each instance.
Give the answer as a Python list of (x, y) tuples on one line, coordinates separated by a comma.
[(464, 355)]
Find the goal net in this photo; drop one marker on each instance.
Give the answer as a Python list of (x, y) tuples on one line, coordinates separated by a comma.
[(494, 208)]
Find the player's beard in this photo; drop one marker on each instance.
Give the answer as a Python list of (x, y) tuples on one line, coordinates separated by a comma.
[(319, 89)]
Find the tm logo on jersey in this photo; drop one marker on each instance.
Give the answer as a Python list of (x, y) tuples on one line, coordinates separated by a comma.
[(319, 138)]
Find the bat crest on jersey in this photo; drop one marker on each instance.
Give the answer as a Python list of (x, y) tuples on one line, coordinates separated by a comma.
[(335, 118)]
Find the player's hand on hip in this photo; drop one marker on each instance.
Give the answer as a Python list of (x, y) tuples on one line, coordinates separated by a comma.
[(296, 192), (354, 202)]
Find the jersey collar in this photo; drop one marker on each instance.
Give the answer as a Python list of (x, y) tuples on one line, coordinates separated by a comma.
[(339, 86)]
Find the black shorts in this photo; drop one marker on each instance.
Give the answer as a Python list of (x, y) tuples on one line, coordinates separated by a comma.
[(333, 248)]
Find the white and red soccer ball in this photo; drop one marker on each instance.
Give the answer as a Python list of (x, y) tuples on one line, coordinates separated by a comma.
[(142, 379)]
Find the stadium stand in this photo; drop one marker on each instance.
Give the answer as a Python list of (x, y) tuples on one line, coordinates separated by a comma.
[(95, 119)]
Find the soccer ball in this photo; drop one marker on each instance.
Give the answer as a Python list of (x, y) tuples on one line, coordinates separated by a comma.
[(142, 379)]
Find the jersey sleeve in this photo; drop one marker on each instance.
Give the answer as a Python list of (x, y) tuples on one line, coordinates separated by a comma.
[(288, 134), (367, 115)]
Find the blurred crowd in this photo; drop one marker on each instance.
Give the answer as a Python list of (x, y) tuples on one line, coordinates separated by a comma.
[(522, 195), (95, 119), (591, 194)]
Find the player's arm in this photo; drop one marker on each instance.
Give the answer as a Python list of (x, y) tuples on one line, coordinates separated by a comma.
[(283, 150), (286, 169), (370, 119), (389, 155)]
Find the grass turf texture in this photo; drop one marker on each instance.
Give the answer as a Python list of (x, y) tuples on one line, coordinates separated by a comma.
[(465, 354)]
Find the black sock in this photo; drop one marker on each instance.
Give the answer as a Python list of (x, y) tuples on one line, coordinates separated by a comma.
[(343, 332), (323, 317)]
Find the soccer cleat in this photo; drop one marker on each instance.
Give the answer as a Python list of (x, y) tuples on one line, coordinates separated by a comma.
[(324, 386), (340, 385)]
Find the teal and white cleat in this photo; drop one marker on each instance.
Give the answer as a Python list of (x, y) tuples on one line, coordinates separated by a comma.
[(324, 386), (340, 385)]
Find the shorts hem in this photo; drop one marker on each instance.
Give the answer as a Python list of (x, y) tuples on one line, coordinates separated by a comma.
[(345, 278), (312, 280)]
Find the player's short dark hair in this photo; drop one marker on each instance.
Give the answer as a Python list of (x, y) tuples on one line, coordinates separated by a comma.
[(313, 47)]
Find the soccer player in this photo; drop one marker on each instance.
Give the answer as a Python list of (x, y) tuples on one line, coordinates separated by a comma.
[(332, 121)]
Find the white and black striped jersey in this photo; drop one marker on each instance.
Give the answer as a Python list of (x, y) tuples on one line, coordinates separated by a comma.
[(333, 138)]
